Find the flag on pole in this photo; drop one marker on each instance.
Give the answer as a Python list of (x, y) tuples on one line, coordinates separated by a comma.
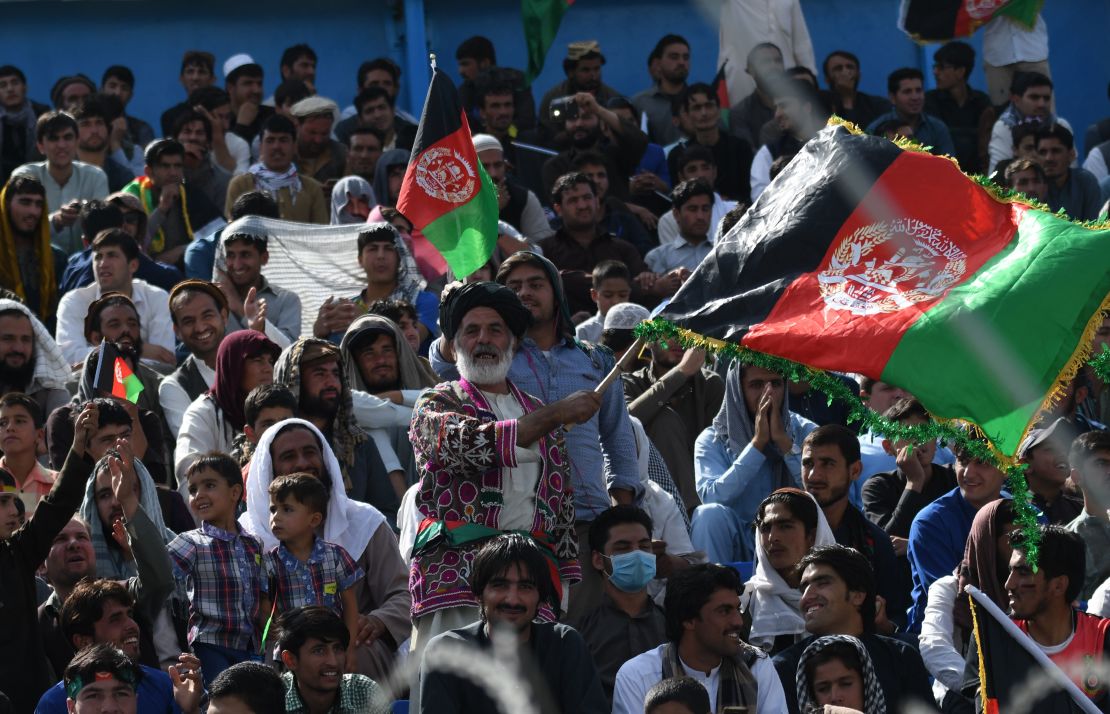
[(113, 375), (446, 193), (943, 20), (541, 24), (868, 258), (1014, 673)]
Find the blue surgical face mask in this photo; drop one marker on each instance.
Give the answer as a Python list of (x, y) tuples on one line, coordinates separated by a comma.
[(632, 571)]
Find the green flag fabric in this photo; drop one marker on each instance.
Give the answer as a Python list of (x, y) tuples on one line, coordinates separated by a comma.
[(541, 24)]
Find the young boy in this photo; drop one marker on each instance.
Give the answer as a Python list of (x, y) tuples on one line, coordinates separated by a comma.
[(223, 569), (22, 429), (265, 406), (307, 570), (612, 284)]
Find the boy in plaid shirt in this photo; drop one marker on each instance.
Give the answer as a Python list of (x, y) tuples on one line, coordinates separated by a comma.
[(307, 570), (223, 568)]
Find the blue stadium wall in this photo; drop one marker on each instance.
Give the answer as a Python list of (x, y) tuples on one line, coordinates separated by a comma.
[(47, 38)]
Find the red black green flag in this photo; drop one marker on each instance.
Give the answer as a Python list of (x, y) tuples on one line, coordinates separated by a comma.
[(943, 20), (114, 376), (446, 192), (869, 258)]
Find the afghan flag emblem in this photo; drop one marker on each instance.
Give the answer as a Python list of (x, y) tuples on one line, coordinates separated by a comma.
[(114, 376), (446, 192), (942, 20)]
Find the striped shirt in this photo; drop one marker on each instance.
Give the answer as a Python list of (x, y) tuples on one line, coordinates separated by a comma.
[(225, 576), (329, 571)]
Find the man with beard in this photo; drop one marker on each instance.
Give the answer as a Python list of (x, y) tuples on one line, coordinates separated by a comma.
[(517, 205), (669, 66), (193, 130), (386, 378), (842, 74), (253, 301), (310, 368), (675, 397), (318, 155), (17, 121), (830, 463), (595, 128), (95, 135), (703, 624), (1073, 190), (199, 312), (30, 360), (31, 266), (511, 582), (115, 260), (508, 441), (364, 148), (299, 198), (582, 67)]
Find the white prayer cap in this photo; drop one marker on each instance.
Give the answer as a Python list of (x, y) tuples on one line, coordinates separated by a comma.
[(486, 142)]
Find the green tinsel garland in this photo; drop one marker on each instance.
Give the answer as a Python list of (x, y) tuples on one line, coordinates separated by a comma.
[(1101, 364), (659, 330)]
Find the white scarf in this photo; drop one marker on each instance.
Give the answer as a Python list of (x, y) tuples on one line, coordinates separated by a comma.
[(51, 369), (270, 182)]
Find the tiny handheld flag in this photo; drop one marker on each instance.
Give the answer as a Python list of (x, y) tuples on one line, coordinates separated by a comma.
[(446, 193), (114, 376)]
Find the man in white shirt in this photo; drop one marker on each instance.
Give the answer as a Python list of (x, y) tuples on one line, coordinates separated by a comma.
[(1010, 47), (695, 162), (115, 260), (1030, 101), (747, 23), (68, 182), (199, 312), (703, 616)]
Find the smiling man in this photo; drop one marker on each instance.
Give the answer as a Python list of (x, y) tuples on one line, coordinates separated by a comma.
[(906, 91), (703, 625), (510, 578), (1045, 453), (246, 289)]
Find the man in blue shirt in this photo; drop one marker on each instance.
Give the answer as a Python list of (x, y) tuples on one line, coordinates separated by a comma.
[(939, 532), (551, 364), (906, 88)]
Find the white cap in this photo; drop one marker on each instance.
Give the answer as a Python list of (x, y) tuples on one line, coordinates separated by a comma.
[(625, 316), (311, 106), (238, 61), (486, 142)]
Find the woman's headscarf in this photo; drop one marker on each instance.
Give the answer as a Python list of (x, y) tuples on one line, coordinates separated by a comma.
[(874, 702), (231, 358), (349, 523), (980, 566), (734, 425), (354, 186), (776, 609), (414, 372), (386, 161), (10, 277), (51, 369)]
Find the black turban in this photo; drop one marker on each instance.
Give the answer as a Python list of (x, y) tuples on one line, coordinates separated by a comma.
[(462, 300)]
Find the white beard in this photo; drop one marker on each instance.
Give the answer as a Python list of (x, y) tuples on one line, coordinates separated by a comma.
[(485, 373)]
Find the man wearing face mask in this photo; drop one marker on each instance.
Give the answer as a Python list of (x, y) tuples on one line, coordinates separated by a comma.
[(628, 621)]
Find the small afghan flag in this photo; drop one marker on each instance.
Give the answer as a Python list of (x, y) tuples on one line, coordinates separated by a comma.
[(541, 24), (869, 258), (446, 192), (113, 375), (942, 20)]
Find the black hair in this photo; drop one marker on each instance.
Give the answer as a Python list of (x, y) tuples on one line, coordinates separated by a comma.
[(686, 691), (85, 605), (610, 270), (364, 130), (300, 624), (109, 411), (259, 687), (254, 203), (160, 149), (732, 217), (1084, 447), (210, 97), (393, 310), (118, 71), (225, 466), (279, 124), (1016, 166), (96, 659), (260, 242), (958, 54), (835, 435), (118, 238), (502, 552), (894, 79), (383, 63), (1024, 81), (19, 399), (1030, 127), (689, 590), (10, 70), (382, 233), (476, 48), (1058, 132), (371, 94), (494, 89), (589, 158), (838, 53), (698, 88), (199, 58), (801, 506), (53, 123), (906, 408), (1061, 553), (91, 108), (837, 651), (854, 569), (800, 72), (19, 185), (303, 488), (617, 340), (687, 190), (267, 396), (693, 152), (568, 181), (188, 117), (291, 91), (294, 53), (615, 516), (804, 92)]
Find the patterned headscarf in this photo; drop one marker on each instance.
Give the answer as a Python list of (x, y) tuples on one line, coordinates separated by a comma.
[(873, 700), (345, 432), (9, 262), (412, 371)]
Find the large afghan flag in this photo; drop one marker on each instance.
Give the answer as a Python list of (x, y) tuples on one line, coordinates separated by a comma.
[(943, 20), (446, 192), (863, 257), (541, 23)]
